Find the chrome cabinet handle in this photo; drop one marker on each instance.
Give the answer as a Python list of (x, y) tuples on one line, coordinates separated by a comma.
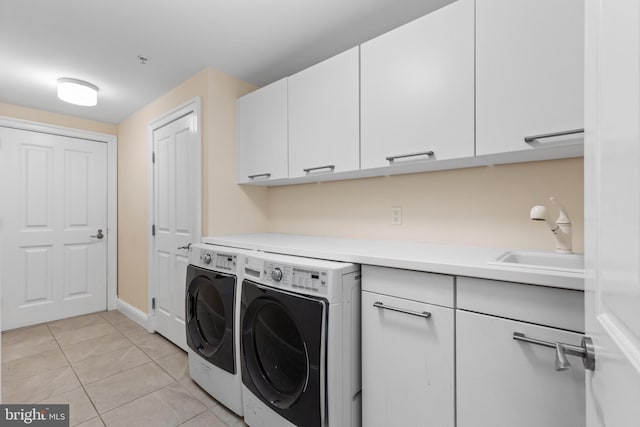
[(586, 351), (424, 314), (331, 167), (401, 156), (99, 235), (266, 175), (533, 138)]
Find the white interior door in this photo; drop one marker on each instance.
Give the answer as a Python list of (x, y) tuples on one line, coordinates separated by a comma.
[(53, 193), (612, 211), (176, 218)]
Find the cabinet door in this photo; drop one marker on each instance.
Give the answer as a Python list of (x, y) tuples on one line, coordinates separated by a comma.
[(417, 89), (529, 73), (262, 134), (324, 135), (501, 382), (407, 364)]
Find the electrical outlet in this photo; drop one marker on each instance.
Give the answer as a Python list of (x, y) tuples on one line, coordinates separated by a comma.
[(396, 215)]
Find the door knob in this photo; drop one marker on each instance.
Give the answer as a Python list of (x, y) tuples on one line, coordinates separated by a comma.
[(99, 235)]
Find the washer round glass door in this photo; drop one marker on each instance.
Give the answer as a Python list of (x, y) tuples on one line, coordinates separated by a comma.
[(279, 362), (209, 316), (209, 312)]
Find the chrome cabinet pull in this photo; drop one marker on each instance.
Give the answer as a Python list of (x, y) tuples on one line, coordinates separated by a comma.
[(266, 175), (586, 351), (99, 235), (424, 314), (331, 167), (401, 156), (533, 138)]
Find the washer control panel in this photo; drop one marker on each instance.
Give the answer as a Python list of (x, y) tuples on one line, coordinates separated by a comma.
[(296, 277), (218, 260)]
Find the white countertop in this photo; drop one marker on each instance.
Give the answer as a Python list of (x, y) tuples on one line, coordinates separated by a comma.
[(471, 261)]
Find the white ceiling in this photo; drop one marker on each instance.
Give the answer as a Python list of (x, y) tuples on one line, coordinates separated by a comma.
[(259, 41)]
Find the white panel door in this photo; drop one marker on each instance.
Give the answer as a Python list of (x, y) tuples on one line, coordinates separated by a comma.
[(612, 211), (54, 216), (417, 90), (176, 178), (407, 363), (324, 113)]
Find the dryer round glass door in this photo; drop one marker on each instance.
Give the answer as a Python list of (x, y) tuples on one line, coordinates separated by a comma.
[(209, 312)]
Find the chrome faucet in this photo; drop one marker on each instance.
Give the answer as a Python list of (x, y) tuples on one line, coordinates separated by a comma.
[(561, 227)]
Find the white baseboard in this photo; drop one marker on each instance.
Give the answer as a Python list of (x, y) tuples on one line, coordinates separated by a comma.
[(133, 313)]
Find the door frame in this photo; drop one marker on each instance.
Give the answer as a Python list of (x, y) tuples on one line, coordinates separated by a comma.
[(192, 106), (112, 189)]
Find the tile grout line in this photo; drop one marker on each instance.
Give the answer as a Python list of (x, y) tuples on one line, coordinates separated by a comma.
[(83, 385), (175, 381), (76, 375), (152, 360)]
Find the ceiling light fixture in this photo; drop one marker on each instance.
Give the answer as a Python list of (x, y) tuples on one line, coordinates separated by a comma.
[(77, 92)]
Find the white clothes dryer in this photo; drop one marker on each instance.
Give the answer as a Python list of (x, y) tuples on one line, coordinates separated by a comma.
[(212, 308), (300, 343)]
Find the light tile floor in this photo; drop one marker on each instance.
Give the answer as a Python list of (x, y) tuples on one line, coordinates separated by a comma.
[(110, 371)]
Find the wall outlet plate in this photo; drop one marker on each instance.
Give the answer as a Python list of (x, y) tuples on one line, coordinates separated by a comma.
[(396, 215)]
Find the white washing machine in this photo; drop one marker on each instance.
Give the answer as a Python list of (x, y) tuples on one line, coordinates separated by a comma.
[(214, 278), (300, 342)]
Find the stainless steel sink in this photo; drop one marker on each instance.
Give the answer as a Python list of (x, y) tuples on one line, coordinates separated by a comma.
[(573, 263)]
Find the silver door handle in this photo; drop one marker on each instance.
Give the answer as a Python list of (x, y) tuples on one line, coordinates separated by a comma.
[(331, 167), (187, 247), (586, 351), (402, 156), (266, 175), (424, 314), (99, 235), (530, 139)]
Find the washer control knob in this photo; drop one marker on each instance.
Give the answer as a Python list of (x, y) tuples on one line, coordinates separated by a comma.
[(206, 258), (276, 274)]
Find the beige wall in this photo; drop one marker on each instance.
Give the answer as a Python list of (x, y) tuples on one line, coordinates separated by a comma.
[(486, 206), (226, 208), (30, 114), (230, 208)]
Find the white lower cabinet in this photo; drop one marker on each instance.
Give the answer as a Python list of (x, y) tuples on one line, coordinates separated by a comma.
[(407, 354), (425, 363), (502, 382)]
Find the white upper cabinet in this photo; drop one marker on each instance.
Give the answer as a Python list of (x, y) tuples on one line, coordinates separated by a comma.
[(529, 75), (324, 117), (262, 134), (417, 90)]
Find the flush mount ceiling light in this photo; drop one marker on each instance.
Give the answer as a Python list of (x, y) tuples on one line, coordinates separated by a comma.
[(77, 92)]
